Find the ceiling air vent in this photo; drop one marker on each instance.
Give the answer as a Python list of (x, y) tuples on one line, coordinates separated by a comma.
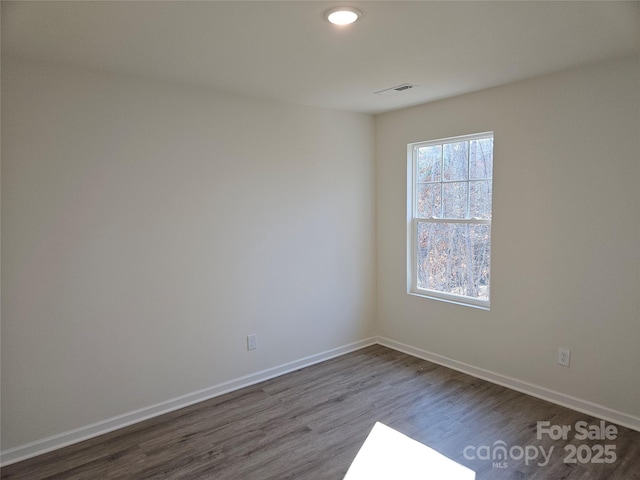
[(397, 89)]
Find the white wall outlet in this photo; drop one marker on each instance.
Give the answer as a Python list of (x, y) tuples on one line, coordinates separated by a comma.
[(252, 341), (564, 356)]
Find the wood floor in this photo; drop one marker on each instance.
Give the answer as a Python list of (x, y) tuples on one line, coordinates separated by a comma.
[(309, 424)]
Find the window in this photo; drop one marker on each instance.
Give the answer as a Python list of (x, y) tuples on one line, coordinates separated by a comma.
[(449, 218)]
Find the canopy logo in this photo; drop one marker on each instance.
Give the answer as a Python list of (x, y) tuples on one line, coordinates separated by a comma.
[(499, 453)]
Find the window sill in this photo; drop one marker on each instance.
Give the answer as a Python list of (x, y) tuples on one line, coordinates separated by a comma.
[(455, 301)]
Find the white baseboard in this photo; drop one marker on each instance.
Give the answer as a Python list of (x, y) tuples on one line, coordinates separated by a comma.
[(593, 409), (61, 440)]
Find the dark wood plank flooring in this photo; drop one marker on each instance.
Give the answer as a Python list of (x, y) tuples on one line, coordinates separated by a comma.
[(309, 424)]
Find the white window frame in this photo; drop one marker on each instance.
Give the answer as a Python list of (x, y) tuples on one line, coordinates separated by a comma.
[(412, 227)]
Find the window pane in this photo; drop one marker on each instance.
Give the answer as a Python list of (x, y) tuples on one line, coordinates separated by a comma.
[(455, 199), (429, 165), (455, 156), (454, 258), (480, 254), (481, 158), (429, 201), (480, 204)]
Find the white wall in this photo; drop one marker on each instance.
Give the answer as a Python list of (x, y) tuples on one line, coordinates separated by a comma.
[(565, 234), (147, 228)]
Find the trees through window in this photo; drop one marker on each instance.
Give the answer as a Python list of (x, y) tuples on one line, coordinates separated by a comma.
[(450, 200)]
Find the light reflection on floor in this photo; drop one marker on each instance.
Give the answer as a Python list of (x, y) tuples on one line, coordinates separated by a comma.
[(389, 454)]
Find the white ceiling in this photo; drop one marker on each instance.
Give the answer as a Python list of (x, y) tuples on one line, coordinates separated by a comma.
[(286, 50)]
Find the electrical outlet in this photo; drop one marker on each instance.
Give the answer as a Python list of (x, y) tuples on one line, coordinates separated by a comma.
[(252, 341), (564, 356)]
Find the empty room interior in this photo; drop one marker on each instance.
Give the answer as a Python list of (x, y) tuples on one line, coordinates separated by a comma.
[(240, 241)]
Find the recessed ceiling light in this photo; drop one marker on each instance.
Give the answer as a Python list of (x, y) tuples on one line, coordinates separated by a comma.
[(342, 15)]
